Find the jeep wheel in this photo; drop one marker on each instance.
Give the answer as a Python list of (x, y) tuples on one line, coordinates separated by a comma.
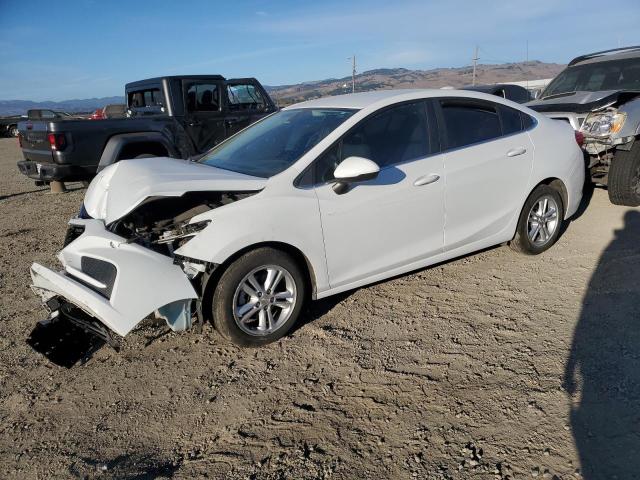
[(624, 177)]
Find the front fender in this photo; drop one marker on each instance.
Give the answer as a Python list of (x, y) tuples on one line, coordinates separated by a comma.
[(292, 219)]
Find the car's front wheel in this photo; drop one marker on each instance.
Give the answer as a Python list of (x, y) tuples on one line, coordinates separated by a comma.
[(540, 221), (259, 297)]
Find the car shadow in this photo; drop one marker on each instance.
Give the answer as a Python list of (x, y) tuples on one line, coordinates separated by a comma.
[(76, 186), (315, 309), (587, 196), (131, 466), (602, 373), (19, 194)]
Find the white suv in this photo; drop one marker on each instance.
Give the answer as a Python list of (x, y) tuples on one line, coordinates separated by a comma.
[(321, 197)]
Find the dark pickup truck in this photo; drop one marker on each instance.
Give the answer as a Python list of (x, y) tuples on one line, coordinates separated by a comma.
[(177, 116)]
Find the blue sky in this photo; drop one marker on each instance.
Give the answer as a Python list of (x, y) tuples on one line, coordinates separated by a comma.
[(91, 48)]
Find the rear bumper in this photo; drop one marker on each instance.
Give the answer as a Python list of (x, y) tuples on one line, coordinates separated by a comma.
[(136, 282), (49, 172)]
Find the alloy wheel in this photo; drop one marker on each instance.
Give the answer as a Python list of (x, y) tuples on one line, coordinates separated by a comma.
[(543, 220), (264, 300)]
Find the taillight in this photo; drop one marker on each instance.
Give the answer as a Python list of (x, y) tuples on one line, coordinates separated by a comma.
[(579, 138), (57, 141), (20, 140)]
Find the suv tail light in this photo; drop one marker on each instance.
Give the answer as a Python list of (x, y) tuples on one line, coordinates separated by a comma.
[(579, 138), (20, 140), (58, 141)]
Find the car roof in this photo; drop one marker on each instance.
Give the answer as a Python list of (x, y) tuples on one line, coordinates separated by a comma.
[(157, 80), (607, 55), (361, 100)]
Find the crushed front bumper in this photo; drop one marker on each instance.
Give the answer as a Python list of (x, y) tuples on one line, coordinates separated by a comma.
[(116, 282)]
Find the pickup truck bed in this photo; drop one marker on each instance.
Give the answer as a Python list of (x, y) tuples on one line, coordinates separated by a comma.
[(84, 143)]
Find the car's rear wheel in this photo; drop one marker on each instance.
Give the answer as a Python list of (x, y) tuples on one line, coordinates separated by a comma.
[(624, 177), (259, 297), (13, 130), (540, 221)]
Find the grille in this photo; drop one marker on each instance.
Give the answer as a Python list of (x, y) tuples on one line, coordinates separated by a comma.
[(102, 271)]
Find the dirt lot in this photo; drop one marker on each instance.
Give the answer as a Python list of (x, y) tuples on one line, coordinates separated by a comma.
[(493, 366)]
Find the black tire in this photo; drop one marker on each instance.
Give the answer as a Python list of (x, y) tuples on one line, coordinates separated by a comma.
[(521, 242), (13, 130), (624, 177), (223, 303)]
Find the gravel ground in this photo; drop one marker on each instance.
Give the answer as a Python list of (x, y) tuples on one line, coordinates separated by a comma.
[(495, 365)]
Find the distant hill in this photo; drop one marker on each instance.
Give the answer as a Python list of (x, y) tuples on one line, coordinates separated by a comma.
[(383, 78), (20, 107), (377, 79)]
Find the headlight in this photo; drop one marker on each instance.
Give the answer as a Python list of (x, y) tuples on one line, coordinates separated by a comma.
[(602, 124)]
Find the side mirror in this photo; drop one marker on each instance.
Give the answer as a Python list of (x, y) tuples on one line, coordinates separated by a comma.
[(351, 170)]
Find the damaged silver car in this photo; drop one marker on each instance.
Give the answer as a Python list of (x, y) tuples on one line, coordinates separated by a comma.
[(598, 94)]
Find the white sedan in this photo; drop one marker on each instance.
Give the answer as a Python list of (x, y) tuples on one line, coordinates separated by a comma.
[(321, 197)]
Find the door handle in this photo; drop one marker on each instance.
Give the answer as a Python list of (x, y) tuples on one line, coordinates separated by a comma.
[(426, 180), (514, 152)]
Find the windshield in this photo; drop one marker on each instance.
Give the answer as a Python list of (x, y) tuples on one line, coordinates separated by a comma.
[(270, 146), (593, 77)]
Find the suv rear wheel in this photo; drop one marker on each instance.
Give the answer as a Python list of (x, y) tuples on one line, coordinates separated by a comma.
[(258, 297), (624, 177)]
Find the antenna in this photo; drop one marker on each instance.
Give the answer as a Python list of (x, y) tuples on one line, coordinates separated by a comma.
[(475, 64)]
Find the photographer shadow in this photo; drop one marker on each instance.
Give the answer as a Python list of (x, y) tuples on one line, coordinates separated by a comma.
[(602, 374)]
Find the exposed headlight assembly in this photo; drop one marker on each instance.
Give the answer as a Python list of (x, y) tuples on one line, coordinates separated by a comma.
[(603, 124), (182, 231)]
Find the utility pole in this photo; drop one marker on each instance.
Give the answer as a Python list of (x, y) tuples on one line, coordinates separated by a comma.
[(353, 73), (527, 60), (475, 64)]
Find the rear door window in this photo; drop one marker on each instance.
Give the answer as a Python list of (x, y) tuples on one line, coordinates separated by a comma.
[(469, 122), (511, 120)]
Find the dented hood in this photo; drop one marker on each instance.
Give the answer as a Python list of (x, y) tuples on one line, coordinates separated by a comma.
[(581, 102), (121, 187)]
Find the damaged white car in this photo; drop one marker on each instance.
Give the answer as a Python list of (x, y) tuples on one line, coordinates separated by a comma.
[(319, 198)]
